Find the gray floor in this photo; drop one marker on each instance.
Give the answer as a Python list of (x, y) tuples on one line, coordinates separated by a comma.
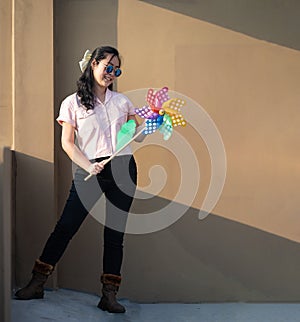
[(65, 305)]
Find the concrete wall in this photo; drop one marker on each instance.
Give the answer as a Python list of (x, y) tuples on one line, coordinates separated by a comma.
[(248, 87), (7, 210), (247, 249), (79, 25), (33, 131), (223, 59), (6, 200)]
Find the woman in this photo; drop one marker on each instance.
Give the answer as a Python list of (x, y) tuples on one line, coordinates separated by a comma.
[(94, 115)]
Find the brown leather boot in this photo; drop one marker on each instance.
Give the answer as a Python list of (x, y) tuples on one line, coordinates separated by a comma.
[(35, 288), (110, 288)]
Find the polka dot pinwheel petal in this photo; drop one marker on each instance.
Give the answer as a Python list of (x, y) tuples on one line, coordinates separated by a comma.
[(146, 112), (156, 99), (153, 124), (178, 119), (125, 133), (173, 106), (166, 128)]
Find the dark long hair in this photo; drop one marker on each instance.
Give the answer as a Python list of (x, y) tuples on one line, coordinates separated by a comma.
[(86, 81)]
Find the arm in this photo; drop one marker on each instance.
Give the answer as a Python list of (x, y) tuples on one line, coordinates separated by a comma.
[(74, 153)]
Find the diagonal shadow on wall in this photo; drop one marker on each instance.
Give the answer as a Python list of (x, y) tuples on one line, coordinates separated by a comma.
[(211, 260), (273, 21)]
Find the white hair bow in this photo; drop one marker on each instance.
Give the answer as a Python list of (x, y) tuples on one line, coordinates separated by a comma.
[(84, 61)]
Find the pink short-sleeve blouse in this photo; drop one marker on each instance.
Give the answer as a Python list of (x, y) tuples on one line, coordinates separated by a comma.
[(96, 130)]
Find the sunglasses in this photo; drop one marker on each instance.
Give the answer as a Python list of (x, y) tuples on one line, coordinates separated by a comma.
[(110, 68)]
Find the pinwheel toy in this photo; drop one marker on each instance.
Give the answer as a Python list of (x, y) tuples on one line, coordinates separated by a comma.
[(162, 112)]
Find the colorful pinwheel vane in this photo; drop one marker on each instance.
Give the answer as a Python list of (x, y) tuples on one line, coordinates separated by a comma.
[(162, 113)]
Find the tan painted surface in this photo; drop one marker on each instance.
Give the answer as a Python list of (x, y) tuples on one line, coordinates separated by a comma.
[(33, 120), (80, 25), (6, 76), (5, 156), (33, 134), (248, 87)]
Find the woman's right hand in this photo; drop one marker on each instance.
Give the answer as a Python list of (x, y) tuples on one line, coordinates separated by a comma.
[(95, 168)]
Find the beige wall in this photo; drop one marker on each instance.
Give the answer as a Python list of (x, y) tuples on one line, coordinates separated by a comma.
[(97, 27), (235, 78), (5, 156), (33, 130), (248, 87), (247, 249)]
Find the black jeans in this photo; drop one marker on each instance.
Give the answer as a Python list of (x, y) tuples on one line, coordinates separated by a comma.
[(117, 181)]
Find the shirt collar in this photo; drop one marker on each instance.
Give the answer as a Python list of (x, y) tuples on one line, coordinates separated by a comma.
[(108, 95)]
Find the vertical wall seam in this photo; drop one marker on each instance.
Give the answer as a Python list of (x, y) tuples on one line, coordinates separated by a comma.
[(13, 98)]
